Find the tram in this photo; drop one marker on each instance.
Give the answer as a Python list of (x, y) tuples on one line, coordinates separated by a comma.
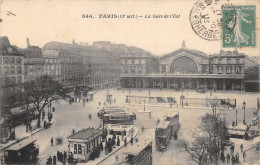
[(162, 135), (119, 118), (174, 121), (109, 110), (24, 152), (166, 130)]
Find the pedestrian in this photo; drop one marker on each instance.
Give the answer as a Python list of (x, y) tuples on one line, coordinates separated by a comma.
[(61, 157), (233, 124), (113, 142), (237, 158), (241, 148), (53, 109), (50, 160), (54, 160), (233, 160), (118, 141), (65, 156), (244, 156), (51, 141), (222, 157), (125, 142), (132, 140), (58, 156), (228, 158), (106, 150)]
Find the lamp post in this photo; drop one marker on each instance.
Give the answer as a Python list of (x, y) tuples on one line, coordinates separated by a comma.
[(236, 117), (244, 107), (144, 105)]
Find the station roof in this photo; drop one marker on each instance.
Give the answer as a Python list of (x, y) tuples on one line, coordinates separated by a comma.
[(163, 125), (85, 134), (21, 144)]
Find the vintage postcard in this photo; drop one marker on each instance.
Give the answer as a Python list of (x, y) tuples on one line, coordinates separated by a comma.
[(129, 82)]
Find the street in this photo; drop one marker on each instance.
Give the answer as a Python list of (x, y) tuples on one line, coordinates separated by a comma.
[(68, 117)]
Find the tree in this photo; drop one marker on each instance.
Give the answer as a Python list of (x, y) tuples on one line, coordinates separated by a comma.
[(41, 92), (206, 144), (213, 104)]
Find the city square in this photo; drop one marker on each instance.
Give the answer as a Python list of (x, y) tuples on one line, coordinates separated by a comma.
[(76, 117)]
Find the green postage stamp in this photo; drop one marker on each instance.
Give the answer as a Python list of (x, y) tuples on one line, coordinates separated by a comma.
[(239, 26)]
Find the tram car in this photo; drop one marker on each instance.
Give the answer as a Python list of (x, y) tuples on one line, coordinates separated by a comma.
[(119, 118), (24, 152), (163, 134), (109, 110), (174, 121), (166, 130)]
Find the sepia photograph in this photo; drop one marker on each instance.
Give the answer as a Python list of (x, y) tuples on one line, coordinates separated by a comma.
[(111, 82)]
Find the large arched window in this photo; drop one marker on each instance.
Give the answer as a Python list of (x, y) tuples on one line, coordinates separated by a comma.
[(183, 65)]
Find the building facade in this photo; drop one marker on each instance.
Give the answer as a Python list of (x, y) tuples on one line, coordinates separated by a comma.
[(52, 64), (71, 62), (185, 69), (11, 67)]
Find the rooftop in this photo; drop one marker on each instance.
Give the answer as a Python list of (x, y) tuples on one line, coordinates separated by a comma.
[(138, 147), (85, 134), (163, 125), (21, 144)]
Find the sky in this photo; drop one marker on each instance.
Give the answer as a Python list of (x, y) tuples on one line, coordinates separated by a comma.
[(61, 20)]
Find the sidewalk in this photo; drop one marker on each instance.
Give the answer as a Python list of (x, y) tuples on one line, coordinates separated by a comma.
[(20, 132)]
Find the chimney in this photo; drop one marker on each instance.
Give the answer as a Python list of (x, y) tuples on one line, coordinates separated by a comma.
[(28, 43)]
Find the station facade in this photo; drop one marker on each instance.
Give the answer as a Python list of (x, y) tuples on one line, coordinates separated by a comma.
[(185, 69)]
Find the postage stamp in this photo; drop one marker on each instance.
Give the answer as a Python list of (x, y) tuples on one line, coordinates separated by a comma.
[(206, 19), (239, 26)]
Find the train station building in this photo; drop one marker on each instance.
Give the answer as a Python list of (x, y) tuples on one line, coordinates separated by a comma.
[(186, 69)]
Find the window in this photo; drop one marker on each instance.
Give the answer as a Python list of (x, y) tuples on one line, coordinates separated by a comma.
[(237, 70), (211, 69), (79, 149), (12, 70), (12, 60), (19, 70), (19, 60), (237, 61), (75, 149), (228, 69), (133, 61), (6, 60), (132, 69), (139, 69), (19, 79), (220, 61), (220, 69), (6, 70), (229, 61)]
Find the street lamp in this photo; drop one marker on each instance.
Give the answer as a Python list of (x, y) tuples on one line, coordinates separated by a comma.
[(144, 105), (244, 107), (236, 117)]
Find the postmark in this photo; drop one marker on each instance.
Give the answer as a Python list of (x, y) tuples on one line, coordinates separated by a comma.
[(206, 19), (239, 26)]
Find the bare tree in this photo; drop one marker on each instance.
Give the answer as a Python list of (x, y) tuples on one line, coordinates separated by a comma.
[(196, 149), (41, 92), (206, 144)]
